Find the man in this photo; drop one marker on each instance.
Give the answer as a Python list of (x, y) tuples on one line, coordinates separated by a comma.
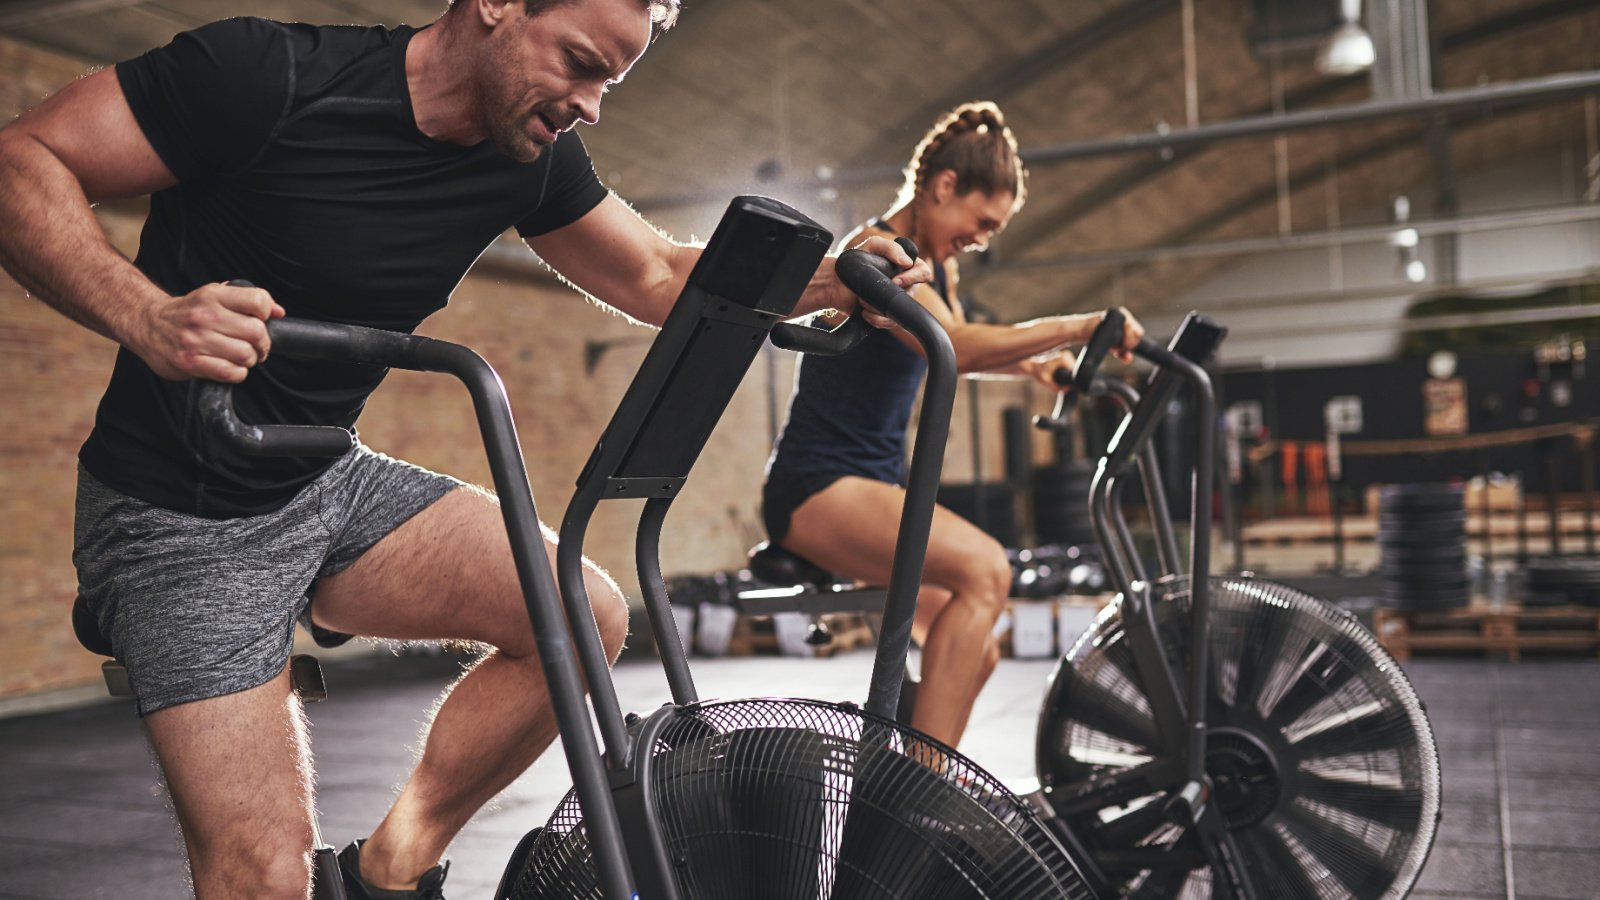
[(352, 174)]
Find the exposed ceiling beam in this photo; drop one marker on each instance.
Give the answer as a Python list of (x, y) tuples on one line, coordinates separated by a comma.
[(1059, 215), (1019, 74), (1436, 323), (1479, 99), (1501, 26), (1484, 286), (1522, 218), (1483, 98), (1190, 230), (1011, 78), (22, 13)]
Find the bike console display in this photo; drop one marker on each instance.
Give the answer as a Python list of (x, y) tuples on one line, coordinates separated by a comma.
[(749, 276), (1194, 343)]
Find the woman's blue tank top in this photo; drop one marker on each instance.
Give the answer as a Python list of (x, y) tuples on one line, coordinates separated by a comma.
[(849, 413)]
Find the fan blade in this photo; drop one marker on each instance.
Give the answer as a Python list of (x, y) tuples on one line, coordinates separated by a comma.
[(1132, 827), (1319, 675), (1162, 884), (1260, 646), (1388, 805), (1362, 869), (1277, 872), (1373, 726), (1098, 706)]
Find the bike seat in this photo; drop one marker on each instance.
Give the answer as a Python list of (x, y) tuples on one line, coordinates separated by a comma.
[(775, 565), (305, 673), (87, 629)]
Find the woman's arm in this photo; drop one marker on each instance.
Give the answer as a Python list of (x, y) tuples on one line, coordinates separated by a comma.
[(1000, 349), (1009, 349), (1041, 368)]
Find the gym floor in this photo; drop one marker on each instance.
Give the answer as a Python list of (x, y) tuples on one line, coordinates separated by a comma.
[(82, 813)]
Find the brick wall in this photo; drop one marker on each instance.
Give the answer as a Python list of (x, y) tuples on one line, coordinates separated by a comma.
[(51, 373), (534, 331)]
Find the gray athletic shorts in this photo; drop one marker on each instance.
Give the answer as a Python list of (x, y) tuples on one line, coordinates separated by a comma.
[(198, 608)]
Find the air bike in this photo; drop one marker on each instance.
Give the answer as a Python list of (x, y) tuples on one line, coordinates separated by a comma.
[(1223, 736), (711, 799)]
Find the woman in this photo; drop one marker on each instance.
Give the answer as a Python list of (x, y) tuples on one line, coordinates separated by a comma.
[(833, 493)]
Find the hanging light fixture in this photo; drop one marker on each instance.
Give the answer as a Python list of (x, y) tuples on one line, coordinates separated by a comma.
[(1348, 49)]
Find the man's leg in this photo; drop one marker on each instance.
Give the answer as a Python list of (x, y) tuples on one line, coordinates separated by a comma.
[(447, 573), (850, 528), (239, 771)]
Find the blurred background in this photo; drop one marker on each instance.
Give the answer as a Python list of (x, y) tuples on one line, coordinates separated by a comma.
[(1392, 205)]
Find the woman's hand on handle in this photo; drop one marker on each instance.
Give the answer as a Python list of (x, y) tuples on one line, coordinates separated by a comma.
[(216, 332), (912, 272), (1053, 370), (1132, 333)]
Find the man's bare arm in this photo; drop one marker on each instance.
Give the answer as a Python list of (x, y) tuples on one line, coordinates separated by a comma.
[(614, 255), (81, 146)]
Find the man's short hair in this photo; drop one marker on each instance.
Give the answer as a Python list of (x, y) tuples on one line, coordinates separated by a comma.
[(663, 13)]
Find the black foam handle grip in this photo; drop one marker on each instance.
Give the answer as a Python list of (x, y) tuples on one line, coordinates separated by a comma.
[(823, 342), (854, 330), (1061, 376), (215, 401), (1106, 335), (869, 277)]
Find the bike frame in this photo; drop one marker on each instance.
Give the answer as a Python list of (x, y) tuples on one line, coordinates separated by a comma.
[(749, 276), (1177, 699)]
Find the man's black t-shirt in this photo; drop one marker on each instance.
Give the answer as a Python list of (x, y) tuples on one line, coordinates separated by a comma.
[(301, 169)]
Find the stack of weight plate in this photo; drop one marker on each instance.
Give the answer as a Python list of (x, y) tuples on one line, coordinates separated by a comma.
[(1422, 540), (1568, 580), (1061, 504), (991, 506)]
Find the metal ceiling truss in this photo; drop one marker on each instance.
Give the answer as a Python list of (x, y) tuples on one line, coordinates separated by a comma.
[(22, 13), (1368, 234)]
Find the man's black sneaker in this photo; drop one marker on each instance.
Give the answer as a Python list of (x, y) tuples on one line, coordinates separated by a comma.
[(430, 887)]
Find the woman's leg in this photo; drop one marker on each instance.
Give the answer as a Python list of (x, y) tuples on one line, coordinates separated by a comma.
[(850, 528)]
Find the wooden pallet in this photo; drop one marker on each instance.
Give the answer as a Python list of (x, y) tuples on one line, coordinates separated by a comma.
[(1502, 529), (1509, 629), (756, 635)]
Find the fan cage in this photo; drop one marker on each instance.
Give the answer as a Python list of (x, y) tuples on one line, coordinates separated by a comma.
[(1356, 756), (789, 799)]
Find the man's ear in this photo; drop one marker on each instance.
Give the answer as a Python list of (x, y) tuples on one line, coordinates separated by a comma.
[(490, 12)]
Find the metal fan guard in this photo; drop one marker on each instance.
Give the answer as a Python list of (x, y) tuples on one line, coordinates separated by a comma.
[(1313, 639), (803, 800)]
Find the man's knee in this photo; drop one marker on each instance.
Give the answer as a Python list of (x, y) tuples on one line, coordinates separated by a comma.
[(288, 871), (610, 610), (268, 864)]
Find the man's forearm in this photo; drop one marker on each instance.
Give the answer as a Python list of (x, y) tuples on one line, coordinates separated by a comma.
[(52, 244), (822, 291)]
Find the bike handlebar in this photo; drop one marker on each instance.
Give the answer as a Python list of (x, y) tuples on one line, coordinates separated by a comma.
[(220, 419), (854, 330), (871, 278), (308, 340), (1107, 335)]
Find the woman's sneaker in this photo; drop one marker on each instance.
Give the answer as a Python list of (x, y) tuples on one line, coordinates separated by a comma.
[(429, 887)]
